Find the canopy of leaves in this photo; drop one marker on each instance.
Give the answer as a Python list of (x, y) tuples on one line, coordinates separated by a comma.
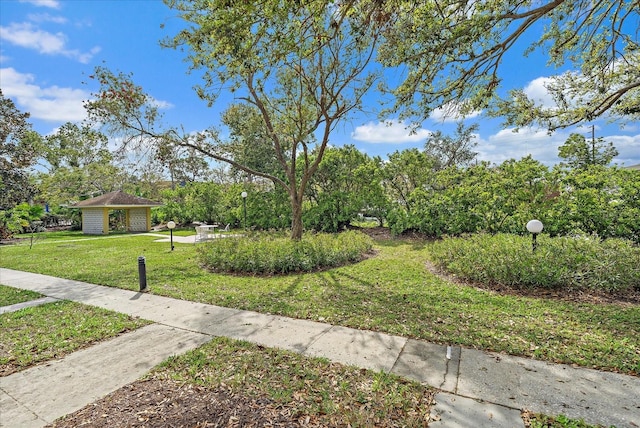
[(347, 183), (580, 153), (249, 143), (74, 146), (301, 66), (449, 151), (406, 171), (18, 150), (453, 52), (503, 198)]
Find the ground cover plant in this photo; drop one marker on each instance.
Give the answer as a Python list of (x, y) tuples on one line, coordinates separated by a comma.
[(570, 262), (11, 296), (393, 292), (42, 333), (276, 253)]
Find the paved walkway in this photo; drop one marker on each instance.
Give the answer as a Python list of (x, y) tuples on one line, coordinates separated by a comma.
[(478, 389)]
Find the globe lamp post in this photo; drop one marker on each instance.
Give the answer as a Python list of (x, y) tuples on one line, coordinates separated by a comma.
[(171, 225), (534, 227), (244, 208)]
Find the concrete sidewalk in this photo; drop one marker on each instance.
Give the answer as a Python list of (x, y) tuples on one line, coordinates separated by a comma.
[(477, 388)]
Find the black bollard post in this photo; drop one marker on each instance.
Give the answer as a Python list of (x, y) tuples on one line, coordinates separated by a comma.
[(142, 273)]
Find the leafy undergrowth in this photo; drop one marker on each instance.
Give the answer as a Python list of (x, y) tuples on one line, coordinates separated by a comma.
[(574, 263), (268, 254), (34, 335)]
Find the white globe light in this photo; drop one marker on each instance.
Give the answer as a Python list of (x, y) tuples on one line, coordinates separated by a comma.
[(171, 225), (243, 194), (535, 226)]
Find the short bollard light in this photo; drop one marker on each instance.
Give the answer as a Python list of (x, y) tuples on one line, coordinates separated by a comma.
[(142, 273), (244, 206), (171, 225), (534, 227)]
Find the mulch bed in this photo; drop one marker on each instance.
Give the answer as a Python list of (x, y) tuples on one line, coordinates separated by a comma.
[(167, 403)]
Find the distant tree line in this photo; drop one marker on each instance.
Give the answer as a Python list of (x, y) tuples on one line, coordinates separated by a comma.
[(410, 192)]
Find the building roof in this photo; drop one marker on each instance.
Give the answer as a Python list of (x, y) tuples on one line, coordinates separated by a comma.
[(117, 199), (636, 167)]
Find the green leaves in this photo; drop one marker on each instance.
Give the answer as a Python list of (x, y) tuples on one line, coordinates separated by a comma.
[(299, 67), (18, 151), (573, 263), (453, 53), (581, 154), (273, 254), (502, 198)]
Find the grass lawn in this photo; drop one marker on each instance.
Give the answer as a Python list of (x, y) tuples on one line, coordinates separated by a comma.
[(11, 296), (37, 334), (392, 292)]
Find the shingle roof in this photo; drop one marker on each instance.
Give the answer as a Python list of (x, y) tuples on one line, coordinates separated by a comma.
[(116, 199)]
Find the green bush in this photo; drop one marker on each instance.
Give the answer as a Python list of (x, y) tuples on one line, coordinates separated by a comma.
[(502, 198), (278, 254), (580, 262)]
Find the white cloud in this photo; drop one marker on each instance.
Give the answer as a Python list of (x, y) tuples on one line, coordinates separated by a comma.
[(45, 17), (537, 91), (392, 131), (628, 147), (52, 4), (28, 36), (51, 103), (160, 104), (507, 144), (451, 113)]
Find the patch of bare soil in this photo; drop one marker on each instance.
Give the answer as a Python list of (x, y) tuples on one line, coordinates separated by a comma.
[(375, 232), (167, 403), (11, 241)]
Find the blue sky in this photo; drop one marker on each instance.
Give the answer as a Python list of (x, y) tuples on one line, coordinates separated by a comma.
[(48, 48)]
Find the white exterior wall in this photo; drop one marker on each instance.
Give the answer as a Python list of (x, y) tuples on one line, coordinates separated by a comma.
[(92, 221), (138, 220)]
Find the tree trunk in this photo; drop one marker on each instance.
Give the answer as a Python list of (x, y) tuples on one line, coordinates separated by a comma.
[(296, 212)]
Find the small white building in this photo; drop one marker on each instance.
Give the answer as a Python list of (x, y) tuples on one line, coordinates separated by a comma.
[(95, 212)]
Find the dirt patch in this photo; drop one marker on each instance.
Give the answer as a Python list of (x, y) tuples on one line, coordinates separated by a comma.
[(166, 403)]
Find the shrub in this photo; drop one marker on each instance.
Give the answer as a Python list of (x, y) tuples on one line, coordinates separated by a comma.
[(276, 253), (579, 262)]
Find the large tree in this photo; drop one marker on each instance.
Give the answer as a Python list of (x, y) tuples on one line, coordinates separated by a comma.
[(580, 153), (18, 152), (304, 66), (77, 163), (347, 183), (449, 151), (248, 142), (453, 52), (406, 171)]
